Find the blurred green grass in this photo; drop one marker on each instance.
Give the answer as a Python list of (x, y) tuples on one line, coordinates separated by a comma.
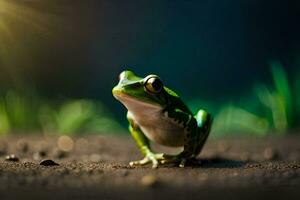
[(267, 109), (28, 112)]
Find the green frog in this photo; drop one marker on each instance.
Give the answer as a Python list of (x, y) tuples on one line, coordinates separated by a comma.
[(156, 113)]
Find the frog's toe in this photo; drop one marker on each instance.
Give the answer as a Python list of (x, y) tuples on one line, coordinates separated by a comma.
[(168, 159), (154, 164), (177, 160), (151, 158), (155, 159), (182, 162), (140, 162)]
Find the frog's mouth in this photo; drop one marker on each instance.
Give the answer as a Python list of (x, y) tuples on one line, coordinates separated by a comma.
[(134, 104)]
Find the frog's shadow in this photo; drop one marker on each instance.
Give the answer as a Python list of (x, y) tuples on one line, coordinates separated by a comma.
[(216, 162)]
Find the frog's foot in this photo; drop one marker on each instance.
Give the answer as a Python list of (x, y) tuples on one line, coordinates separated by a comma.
[(149, 158), (174, 159)]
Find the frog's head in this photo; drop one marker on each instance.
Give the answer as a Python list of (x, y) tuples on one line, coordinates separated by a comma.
[(132, 90)]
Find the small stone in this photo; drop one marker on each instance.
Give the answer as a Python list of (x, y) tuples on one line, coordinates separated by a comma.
[(65, 143), (270, 154), (11, 158), (42, 153), (22, 146), (149, 181), (48, 163)]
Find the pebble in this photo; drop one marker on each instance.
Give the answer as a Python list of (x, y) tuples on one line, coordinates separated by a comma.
[(42, 153), (48, 163), (149, 181), (65, 143), (12, 158)]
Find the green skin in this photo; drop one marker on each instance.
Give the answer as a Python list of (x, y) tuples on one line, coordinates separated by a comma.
[(159, 115)]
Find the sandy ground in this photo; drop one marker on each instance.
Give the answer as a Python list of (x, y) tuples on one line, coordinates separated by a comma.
[(96, 167)]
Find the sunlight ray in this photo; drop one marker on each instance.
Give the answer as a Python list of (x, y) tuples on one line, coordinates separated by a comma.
[(20, 21), (20, 13)]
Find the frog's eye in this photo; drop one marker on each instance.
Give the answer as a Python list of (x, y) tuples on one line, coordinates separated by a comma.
[(122, 75), (154, 85)]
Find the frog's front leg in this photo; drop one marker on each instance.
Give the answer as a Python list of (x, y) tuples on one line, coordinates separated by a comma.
[(144, 146)]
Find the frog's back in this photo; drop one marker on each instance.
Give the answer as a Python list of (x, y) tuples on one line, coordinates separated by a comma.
[(175, 101)]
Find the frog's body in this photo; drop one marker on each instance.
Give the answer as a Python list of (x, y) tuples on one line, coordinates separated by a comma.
[(165, 132), (157, 113)]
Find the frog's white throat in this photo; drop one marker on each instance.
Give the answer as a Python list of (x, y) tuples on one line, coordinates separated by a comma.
[(138, 107)]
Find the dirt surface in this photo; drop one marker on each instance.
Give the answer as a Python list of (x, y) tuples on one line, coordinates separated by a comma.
[(96, 167)]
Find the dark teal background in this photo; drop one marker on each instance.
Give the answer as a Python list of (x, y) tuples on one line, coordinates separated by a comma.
[(210, 49)]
